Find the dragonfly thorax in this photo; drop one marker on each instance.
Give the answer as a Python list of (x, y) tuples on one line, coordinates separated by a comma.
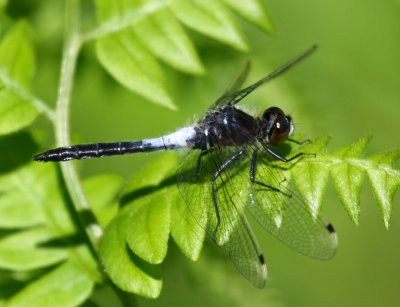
[(227, 126)]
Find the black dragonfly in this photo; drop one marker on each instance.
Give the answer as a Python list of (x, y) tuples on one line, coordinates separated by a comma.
[(226, 171)]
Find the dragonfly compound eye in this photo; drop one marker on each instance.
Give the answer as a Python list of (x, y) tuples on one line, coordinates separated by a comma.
[(276, 125)]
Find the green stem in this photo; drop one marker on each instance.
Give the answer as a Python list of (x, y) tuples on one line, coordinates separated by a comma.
[(70, 54), (72, 46)]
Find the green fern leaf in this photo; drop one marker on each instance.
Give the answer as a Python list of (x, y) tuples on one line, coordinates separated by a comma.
[(147, 229), (153, 174), (139, 235), (152, 211), (169, 41), (312, 178), (254, 11), (385, 181), (67, 285), (21, 187), (102, 192), (20, 252), (152, 207), (38, 231), (156, 25), (126, 270), (347, 169), (16, 55), (185, 229), (126, 59), (348, 179), (210, 18), (16, 67), (30, 249)]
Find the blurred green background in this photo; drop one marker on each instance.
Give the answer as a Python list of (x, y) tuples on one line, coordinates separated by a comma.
[(349, 88)]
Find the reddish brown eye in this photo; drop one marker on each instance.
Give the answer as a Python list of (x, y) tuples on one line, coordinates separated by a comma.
[(276, 126)]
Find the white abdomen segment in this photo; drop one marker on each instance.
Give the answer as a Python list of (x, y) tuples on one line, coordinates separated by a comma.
[(178, 139)]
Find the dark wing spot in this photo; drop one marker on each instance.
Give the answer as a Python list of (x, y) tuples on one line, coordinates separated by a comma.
[(261, 258), (330, 228)]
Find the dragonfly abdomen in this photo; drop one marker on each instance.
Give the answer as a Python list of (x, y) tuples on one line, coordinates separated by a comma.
[(87, 151), (179, 139)]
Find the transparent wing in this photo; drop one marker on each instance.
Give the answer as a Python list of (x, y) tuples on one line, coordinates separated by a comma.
[(221, 212), (234, 88), (226, 223), (233, 98), (285, 214)]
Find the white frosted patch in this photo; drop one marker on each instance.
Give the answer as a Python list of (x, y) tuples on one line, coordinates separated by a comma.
[(157, 142), (225, 121), (180, 138), (177, 139)]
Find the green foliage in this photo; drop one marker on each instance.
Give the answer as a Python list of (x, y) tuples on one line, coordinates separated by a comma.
[(255, 11), (67, 285), (169, 41), (126, 59), (16, 70), (209, 18), (3, 3), (42, 229), (43, 236), (137, 240), (36, 208), (127, 52), (142, 227), (348, 170), (128, 272)]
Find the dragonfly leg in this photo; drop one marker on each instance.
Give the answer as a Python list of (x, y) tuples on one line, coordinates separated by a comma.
[(202, 153), (217, 174), (283, 159), (306, 141), (253, 175)]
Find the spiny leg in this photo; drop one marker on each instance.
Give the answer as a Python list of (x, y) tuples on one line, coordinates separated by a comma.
[(202, 153), (215, 176), (253, 175), (283, 159), (306, 141)]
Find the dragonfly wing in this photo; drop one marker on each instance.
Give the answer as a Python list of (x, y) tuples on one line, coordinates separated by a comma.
[(234, 88), (233, 98), (286, 215), (226, 222)]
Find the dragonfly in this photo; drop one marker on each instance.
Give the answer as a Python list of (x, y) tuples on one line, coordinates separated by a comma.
[(225, 176)]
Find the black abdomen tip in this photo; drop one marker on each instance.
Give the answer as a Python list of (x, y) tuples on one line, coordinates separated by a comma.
[(39, 157), (56, 155), (330, 228)]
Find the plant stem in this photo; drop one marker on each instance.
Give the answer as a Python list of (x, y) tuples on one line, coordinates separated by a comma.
[(70, 54)]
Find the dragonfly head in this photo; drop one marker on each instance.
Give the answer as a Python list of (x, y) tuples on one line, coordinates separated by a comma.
[(276, 127)]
